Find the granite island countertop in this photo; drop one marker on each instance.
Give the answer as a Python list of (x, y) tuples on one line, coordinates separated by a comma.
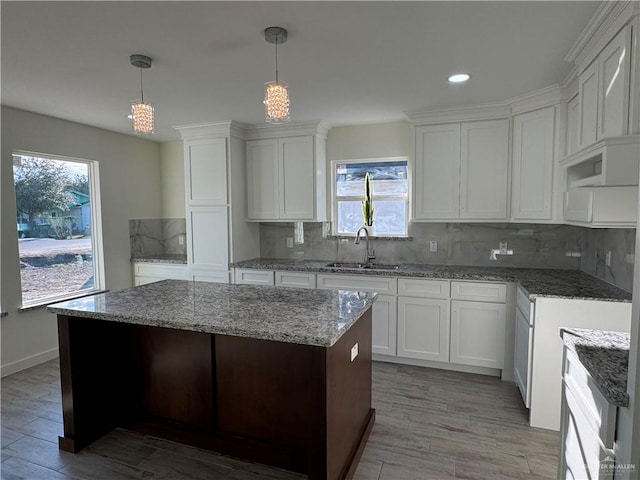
[(537, 283), (605, 355), (302, 316)]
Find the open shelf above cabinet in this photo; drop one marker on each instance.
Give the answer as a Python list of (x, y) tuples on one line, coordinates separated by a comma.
[(610, 162)]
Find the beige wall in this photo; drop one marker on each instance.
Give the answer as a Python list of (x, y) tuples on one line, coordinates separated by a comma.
[(130, 185), (369, 141), (172, 174)]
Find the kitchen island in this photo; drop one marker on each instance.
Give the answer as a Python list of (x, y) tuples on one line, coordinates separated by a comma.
[(276, 376)]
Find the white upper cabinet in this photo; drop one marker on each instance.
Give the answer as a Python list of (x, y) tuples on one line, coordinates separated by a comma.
[(604, 92), (262, 179), (297, 178), (613, 98), (484, 167), (206, 171), (286, 176), (461, 171), (572, 125), (437, 172), (533, 142)]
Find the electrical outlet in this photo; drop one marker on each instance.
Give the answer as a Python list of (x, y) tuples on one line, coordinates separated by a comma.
[(180, 239), (433, 246), (354, 352), (607, 258), (289, 242), (502, 246)]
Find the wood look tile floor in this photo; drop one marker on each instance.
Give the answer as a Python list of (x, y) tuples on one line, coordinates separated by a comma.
[(430, 424)]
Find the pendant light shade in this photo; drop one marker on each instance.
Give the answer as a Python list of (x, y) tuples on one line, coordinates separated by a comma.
[(276, 93), (141, 112)]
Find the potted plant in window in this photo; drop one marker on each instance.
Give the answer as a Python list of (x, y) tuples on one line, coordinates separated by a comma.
[(367, 203)]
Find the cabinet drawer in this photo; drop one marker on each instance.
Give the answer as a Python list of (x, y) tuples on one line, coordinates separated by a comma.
[(254, 277), (296, 279), (362, 283), (423, 288), (479, 292), (598, 413), (160, 271)]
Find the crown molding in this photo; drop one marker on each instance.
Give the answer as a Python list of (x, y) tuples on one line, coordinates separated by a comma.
[(544, 97), (262, 131), (229, 128), (458, 114), (610, 17)]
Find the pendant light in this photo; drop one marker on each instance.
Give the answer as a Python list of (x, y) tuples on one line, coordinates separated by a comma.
[(141, 112), (276, 94)]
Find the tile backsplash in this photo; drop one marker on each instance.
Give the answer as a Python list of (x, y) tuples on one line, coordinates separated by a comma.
[(533, 245), (157, 236)]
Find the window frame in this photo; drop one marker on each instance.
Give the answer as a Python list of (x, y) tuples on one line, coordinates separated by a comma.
[(335, 198), (97, 247)]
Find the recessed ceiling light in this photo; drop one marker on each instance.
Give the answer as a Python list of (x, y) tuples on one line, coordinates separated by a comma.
[(459, 78)]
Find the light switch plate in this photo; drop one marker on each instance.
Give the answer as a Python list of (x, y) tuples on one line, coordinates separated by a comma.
[(433, 246), (354, 352)]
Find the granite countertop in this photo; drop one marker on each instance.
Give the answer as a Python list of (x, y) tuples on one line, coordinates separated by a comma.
[(302, 316), (605, 355), (161, 258), (537, 283)]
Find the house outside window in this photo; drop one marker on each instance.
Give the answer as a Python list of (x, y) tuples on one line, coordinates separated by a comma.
[(390, 184), (58, 225)]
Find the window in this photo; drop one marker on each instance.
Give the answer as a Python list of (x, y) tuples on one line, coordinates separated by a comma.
[(58, 224), (390, 185)]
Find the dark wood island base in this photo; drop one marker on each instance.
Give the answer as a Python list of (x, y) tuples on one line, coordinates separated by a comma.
[(299, 407)]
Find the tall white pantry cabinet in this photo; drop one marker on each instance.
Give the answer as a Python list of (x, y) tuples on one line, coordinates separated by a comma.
[(215, 200)]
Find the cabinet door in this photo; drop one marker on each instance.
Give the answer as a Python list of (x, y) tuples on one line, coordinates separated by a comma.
[(208, 246), (484, 168), (477, 333), (437, 172), (532, 165), (613, 68), (588, 95), (521, 363), (573, 111), (297, 178), (423, 328), (253, 277), (206, 172), (262, 180), (384, 321)]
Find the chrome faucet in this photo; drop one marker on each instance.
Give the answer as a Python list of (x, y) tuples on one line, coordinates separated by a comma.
[(369, 254)]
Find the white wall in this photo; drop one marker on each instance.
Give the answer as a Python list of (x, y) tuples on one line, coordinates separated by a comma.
[(130, 185), (369, 141), (172, 173)]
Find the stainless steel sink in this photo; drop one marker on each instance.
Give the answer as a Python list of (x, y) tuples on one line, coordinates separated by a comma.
[(362, 266)]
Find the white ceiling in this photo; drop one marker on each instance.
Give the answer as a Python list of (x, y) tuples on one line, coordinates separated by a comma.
[(345, 62)]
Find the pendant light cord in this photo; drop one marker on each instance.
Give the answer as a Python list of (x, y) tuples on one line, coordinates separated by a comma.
[(276, 60), (141, 90)]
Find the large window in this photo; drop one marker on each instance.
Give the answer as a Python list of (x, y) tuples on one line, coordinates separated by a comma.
[(390, 185), (58, 222)]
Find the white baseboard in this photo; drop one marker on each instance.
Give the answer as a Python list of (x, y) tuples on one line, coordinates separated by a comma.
[(493, 372), (28, 362)]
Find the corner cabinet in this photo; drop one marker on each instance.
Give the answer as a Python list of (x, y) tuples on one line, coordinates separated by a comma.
[(286, 174), (461, 171), (532, 183)]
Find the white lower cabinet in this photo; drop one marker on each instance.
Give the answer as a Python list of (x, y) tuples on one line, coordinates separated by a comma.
[(477, 333), (423, 328), (384, 323)]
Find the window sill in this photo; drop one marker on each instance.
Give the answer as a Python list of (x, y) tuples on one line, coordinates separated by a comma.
[(44, 303), (373, 237)]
